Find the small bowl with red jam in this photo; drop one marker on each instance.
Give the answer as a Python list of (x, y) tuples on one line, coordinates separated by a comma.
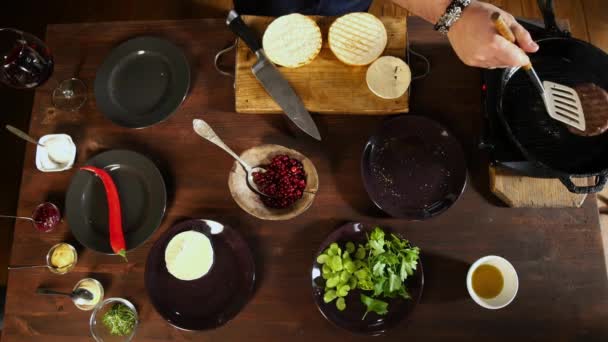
[(290, 182)]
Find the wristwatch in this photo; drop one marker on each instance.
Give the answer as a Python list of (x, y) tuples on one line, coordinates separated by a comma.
[(451, 15)]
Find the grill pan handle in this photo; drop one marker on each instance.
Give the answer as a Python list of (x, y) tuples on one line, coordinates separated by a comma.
[(547, 9), (600, 182)]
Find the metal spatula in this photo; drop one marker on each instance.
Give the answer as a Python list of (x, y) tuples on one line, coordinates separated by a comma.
[(562, 102)]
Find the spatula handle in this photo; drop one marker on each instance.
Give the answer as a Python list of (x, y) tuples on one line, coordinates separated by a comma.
[(505, 31)]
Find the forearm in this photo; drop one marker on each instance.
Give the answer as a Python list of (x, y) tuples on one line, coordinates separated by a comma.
[(430, 10)]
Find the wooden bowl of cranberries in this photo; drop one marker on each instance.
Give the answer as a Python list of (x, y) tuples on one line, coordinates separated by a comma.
[(290, 180)]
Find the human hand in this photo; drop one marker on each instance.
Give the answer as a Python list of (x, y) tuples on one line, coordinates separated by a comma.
[(477, 43)]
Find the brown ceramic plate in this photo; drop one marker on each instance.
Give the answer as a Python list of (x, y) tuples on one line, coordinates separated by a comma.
[(214, 299), (350, 319), (413, 168)]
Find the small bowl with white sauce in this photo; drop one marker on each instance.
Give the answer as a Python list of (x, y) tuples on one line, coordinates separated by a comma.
[(55, 152)]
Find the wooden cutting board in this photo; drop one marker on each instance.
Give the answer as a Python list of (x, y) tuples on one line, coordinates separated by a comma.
[(519, 191), (325, 85)]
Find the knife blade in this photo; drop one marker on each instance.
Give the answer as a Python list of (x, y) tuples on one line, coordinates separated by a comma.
[(271, 79)]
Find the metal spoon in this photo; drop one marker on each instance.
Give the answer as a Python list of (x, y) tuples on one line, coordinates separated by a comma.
[(18, 218), (78, 296), (21, 134), (49, 264), (204, 130)]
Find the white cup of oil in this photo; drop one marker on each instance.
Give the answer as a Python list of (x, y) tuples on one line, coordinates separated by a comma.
[(492, 282)]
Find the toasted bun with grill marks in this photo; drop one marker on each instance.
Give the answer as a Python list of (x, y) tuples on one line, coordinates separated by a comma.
[(292, 40), (357, 38)]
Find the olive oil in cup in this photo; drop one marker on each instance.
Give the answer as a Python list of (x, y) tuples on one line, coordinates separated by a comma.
[(492, 282)]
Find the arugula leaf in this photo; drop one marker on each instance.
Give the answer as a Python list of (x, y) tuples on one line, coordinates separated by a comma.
[(374, 305)]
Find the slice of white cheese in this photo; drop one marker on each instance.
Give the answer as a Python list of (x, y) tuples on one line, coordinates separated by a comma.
[(388, 77), (292, 40), (189, 255), (357, 38)]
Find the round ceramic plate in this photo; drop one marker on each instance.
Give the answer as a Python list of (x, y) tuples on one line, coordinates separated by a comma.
[(143, 198), (214, 299), (413, 168), (142, 82), (351, 318)]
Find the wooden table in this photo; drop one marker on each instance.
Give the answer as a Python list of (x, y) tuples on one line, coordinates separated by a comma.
[(563, 291)]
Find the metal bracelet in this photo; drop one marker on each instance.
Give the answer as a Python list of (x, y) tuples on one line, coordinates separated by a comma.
[(451, 15)]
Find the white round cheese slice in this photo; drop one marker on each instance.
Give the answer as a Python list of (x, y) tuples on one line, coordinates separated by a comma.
[(189, 255), (388, 77), (357, 38), (292, 40)]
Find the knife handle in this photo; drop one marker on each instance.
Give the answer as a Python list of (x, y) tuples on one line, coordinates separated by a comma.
[(238, 26)]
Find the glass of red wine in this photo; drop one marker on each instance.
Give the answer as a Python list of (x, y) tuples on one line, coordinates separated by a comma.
[(26, 62)]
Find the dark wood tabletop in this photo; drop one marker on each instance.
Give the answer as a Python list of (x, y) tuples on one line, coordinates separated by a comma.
[(558, 253)]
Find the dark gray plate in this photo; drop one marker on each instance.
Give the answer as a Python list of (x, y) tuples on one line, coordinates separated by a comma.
[(351, 318), (142, 82), (143, 198), (413, 168), (212, 300)]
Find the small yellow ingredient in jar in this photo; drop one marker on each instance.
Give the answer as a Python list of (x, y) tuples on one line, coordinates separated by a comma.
[(63, 256)]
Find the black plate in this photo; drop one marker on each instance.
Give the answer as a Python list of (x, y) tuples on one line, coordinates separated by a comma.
[(413, 168), (214, 299), (350, 319), (142, 82), (143, 198)]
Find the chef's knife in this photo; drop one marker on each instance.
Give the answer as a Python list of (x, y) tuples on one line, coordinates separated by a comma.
[(272, 80)]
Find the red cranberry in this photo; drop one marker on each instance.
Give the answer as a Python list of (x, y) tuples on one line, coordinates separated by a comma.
[(284, 180)]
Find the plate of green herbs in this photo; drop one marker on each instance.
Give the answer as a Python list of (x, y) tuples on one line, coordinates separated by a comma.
[(366, 278), (115, 319)]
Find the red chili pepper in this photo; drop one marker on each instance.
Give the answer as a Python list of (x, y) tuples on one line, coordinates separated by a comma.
[(117, 239)]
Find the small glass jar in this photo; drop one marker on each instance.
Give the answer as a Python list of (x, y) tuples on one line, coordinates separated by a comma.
[(95, 288)]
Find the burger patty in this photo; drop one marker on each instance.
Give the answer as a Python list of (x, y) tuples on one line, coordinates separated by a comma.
[(594, 100)]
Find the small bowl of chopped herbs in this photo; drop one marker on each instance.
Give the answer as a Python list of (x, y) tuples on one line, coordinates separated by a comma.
[(114, 320), (366, 279)]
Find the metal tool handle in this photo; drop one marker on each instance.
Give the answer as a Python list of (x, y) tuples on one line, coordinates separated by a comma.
[(600, 182), (218, 56), (21, 134), (26, 266), (238, 26), (17, 217), (49, 292), (505, 31), (547, 9), (205, 131)]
